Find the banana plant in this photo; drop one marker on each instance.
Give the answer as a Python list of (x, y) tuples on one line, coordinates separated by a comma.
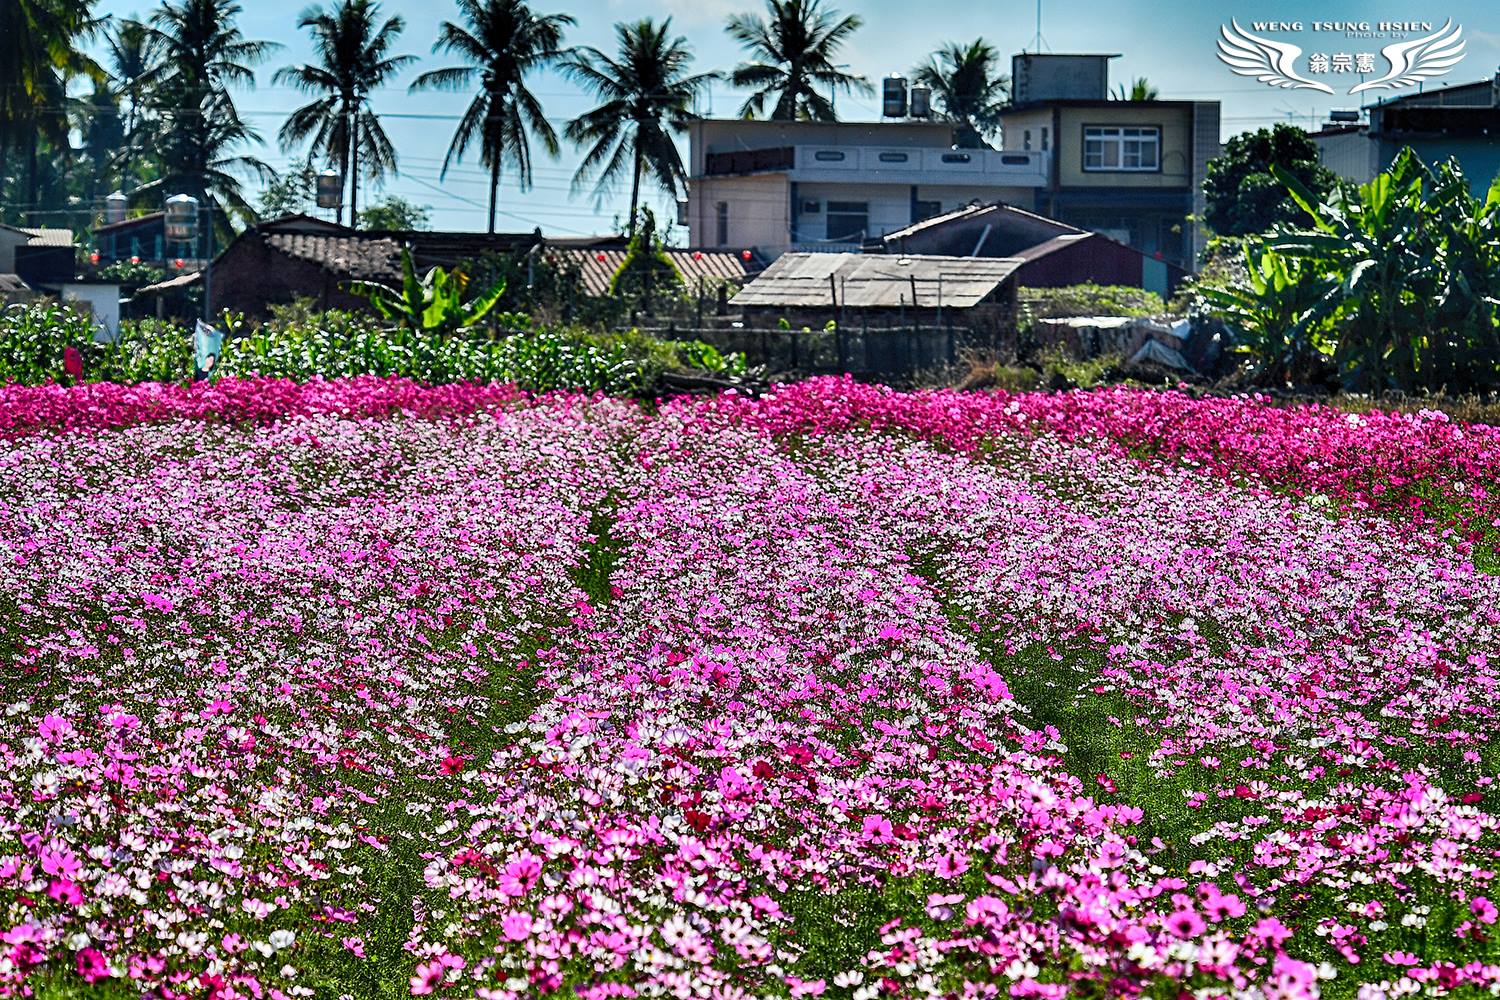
[(1275, 317), (1383, 251), (433, 303)]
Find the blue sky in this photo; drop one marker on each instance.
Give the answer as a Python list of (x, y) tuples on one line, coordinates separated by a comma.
[(1173, 46)]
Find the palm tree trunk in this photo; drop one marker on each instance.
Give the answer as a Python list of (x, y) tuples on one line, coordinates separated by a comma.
[(31, 178), (343, 178), (635, 184), (354, 169), (494, 188)]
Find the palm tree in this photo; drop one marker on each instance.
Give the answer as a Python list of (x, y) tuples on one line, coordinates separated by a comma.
[(39, 47), (966, 89), (792, 56), (646, 94), (1140, 90), (130, 65), (503, 41), (201, 53), (353, 59)]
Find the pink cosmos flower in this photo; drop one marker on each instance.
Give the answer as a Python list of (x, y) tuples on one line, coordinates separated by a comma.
[(951, 866), (92, 966), (59, 861), (516, 926), (65, 892), (1484, 910), (1185, 924)]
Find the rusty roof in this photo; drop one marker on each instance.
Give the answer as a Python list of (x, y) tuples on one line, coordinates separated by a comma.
[(597, 267), (876, 281)]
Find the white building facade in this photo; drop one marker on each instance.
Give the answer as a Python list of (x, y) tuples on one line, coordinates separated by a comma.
[(773, 186)]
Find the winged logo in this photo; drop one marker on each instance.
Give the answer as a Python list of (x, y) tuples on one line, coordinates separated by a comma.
[(1268, 61), (1419, 58)]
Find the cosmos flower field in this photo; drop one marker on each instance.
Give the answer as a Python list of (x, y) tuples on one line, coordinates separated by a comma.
[(360, 688)]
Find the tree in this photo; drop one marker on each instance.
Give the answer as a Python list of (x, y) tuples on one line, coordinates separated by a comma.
[(130, 65), (397, 214), (39, 48), (646, 95), (1140, 89), (967, 89), (646, 271), (503, 41), (201, 53), (1241, 194), (353, 60), (792, 57), (291, 193)]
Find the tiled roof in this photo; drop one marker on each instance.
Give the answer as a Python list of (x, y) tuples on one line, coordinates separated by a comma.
[(359, 257), (876, 280), (598, 267)]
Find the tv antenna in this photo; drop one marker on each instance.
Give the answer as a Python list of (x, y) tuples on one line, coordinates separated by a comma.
[(1038, 43)]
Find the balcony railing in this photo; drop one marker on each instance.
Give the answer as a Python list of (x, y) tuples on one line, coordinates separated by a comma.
[(888, 164), (750, 161)]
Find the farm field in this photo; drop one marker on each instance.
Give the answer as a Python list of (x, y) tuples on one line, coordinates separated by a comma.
[(360, 688)]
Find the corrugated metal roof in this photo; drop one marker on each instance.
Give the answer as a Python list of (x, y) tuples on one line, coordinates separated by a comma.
[(597, 268), (877, 281), (167, 285), (1054, 244), (43, 237)]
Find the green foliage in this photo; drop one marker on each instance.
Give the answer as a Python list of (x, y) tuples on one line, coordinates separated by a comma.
[(647, 271), (1271, 313), (1089, 300), (291, 193), (33, 337), (298, 343), (395, 213), (1398, 280), (434, 303), (1084, 373), (1242, 194), (127, 273)]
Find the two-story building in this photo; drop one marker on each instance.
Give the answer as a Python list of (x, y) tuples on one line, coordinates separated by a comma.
[(1131, 169), (1460, 122), (775, 186)]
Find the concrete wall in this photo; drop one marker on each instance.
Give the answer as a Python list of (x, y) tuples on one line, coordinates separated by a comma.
[(1176, 153), (1352, 155), (759, 212), (9, 240), (102, 302), (1047, 77)]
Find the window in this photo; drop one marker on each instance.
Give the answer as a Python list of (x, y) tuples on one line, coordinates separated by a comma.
[(926, 210), (828, 155), (1026, 139), (721, 220), (956, 157), (1107, 147), (848, 221), (892, 157), (1014, 159), (1044, 138)]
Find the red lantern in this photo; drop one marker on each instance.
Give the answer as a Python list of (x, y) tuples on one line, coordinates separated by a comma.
[(179, 263), (94, 257), (745, 256), (135, 260)]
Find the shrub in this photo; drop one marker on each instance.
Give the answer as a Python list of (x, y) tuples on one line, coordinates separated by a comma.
[(299, 343), (1089, 300)]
